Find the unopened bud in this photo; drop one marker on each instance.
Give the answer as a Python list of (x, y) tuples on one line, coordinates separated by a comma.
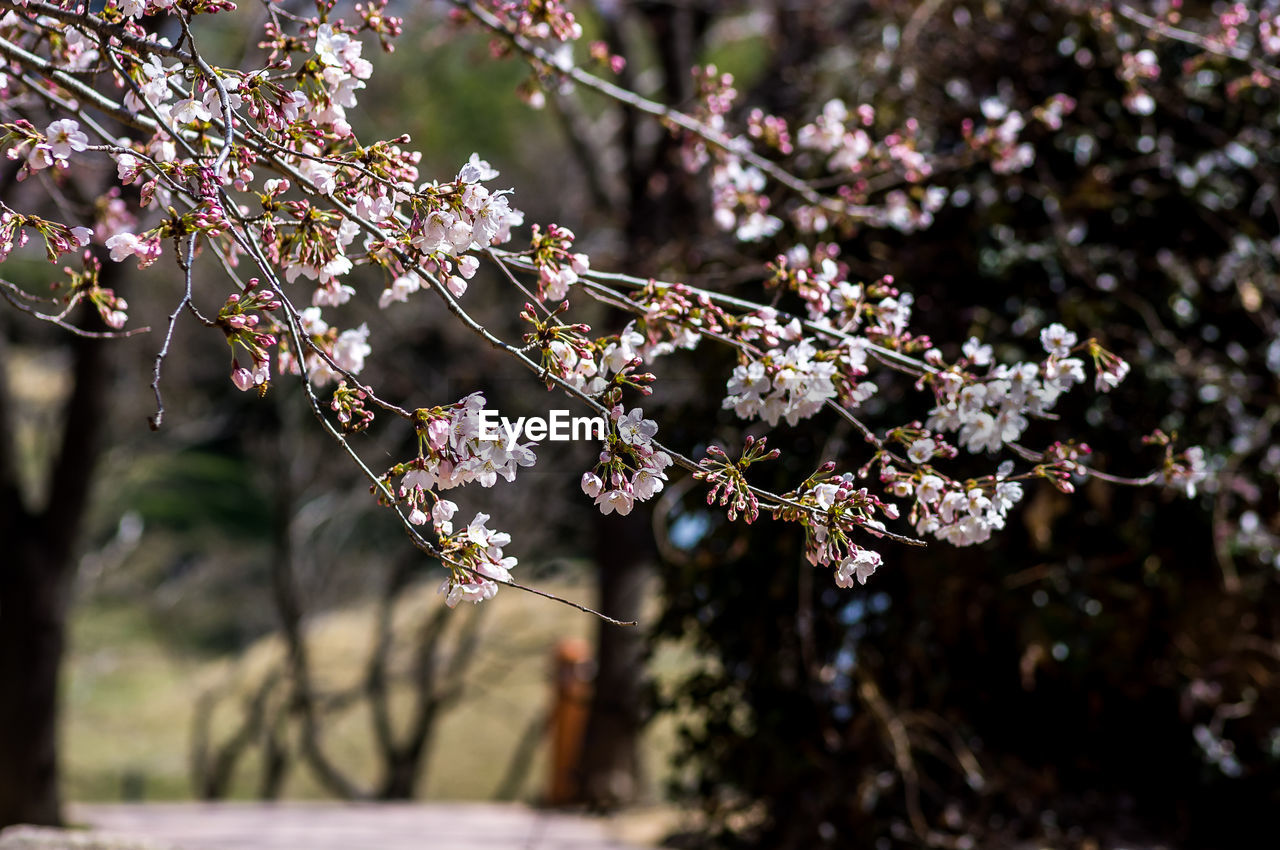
[(242, 378)]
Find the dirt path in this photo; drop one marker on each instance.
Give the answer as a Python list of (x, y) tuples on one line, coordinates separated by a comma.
[(327, 826)]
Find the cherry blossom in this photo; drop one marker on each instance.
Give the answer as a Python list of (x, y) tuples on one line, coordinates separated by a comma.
[(259, 168), (65, 137)]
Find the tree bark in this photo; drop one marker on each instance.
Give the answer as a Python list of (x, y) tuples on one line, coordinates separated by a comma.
[(36, 574), (610, 767), (659, 223), (33, 603)]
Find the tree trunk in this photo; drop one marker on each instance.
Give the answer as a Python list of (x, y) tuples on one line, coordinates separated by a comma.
[(33, 605), (35, 587), (660, 222), (610, 767)]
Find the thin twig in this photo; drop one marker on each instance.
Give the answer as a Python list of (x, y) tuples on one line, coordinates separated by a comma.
[(736, 146), (14, 295), (158, 419)]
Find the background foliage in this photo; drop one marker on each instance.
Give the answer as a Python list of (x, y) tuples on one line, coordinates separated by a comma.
[(1100, 674)]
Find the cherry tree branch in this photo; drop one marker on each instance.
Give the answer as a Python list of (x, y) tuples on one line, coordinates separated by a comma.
[(326, 209), (1208, 45), (95, 24), (734, 145), (15, 294)]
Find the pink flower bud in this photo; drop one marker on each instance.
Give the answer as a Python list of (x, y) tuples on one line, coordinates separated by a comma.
[(438, 433), (467, 266), (242, 378), (443, 511)]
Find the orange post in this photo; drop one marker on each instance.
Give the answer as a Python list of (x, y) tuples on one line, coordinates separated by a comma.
[(572, 670)]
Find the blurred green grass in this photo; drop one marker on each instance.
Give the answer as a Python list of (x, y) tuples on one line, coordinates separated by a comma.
[(130, 700)]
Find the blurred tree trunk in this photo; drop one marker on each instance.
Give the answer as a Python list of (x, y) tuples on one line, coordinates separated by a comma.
[(36, 574), (33, 592), (609, 767), (661, 226)]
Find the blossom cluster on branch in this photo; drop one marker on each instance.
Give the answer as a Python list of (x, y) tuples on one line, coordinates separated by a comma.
[(260, 167)]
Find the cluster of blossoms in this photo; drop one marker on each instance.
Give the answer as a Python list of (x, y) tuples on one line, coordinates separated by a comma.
[(558, 266), (51, 149), (1187, 470), (670, 318), (87, 285), (843, 140), (202, 135), (546, 23), (788, 377), (772, 130), (843, 143), (794, 380), (460, 217), (476, 562), (567, 354), (992, 411), (879, 310), (349, 405), (631, 469), (544, 20), (739, 202), (312, 243), (239, 320), (738, 198), (58, 238), (675, 318), (962, 514), (124, 245), (447, 222), (728, 483), (1001, 135), (794, 383), (829, 298), (330, 353), (82, 286), (833, 509), (598, 368), (1135, 70), (1184, 470), (343, 71), (453, 452)]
